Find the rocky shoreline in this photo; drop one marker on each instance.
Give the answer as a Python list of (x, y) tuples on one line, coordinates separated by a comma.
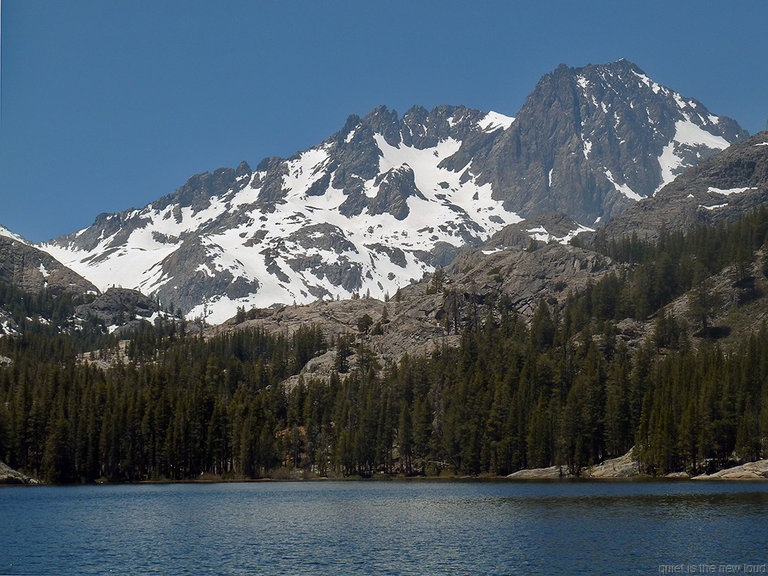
[(750, 471), (10, 476), (621, 468), (625, 467)]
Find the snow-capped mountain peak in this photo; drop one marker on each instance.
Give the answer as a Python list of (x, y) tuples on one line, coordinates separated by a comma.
[(368, 210), (388, 198)]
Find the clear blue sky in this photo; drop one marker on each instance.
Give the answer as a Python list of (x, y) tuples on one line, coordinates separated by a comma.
[(111, 105)]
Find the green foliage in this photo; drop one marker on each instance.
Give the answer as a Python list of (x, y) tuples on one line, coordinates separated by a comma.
[(658, 272), (437, 281), (364, 323)]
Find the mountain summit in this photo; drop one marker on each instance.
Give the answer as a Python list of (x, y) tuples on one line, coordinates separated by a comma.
[(387, 198), (591, 141)]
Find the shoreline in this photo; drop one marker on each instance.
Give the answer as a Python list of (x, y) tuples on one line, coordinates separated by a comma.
[(622, 469), (638, 479)]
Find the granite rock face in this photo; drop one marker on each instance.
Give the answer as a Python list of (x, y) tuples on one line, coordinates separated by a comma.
[(34, 270), (591, 141), (10, 476), (622, 467), (750, 471), (525, 276)]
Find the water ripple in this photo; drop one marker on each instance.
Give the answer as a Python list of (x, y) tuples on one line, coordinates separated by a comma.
[(380, 528)]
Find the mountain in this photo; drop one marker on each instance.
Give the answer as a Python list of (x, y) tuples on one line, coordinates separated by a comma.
[(387, 199), (723, 188), (591, 141)]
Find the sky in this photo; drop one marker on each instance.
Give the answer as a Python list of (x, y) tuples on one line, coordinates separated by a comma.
[(106, 106)]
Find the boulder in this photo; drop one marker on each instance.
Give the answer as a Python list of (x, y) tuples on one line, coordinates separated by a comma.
[(10, 476)]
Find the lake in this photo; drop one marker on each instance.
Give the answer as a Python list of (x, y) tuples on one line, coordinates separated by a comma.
[(386, 528)]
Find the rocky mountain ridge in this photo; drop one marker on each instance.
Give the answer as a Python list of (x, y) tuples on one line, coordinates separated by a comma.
[(720, 189), (387, 199), (590, 141)]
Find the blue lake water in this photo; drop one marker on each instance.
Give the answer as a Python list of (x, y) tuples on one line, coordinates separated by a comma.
[(385, 528)]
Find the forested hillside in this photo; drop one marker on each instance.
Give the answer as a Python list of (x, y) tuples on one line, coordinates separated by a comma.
[(568, 388)]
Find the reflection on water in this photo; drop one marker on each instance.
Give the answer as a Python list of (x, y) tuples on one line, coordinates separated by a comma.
[(381, 528)]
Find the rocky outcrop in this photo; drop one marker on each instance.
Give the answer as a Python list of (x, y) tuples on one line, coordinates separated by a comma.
[(626, 467), (622, 467), (413, 325), (10, 476), (33, 270), (118, 307), (550, 473), (750, 471), (548, 271), (615, 468), (8, 325)]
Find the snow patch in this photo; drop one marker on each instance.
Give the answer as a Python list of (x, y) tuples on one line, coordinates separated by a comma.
[(493, 121), (623, 188), (714, 207), (303, 171), (656, 88), (540, 234), (730, 191), (686, 134), (8, 234)]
